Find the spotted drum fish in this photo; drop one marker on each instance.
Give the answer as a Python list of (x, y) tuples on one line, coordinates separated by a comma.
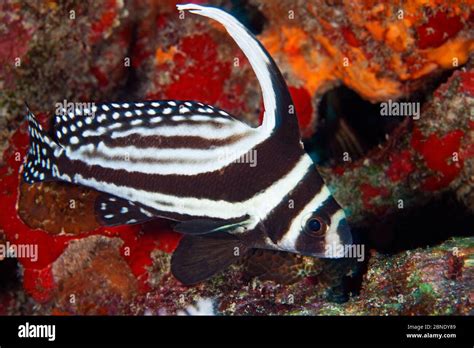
[(179, 160)]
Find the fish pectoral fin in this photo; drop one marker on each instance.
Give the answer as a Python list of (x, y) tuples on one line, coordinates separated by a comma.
[(113, 211), (197, 258), (206, 226)]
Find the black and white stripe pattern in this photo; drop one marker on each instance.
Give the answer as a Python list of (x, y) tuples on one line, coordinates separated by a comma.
[(217, 196), (179, 160), (276, 98), (122, 119), (210, 138), (285, 222)]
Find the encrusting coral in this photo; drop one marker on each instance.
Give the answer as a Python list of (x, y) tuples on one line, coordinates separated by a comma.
[(382, 50)]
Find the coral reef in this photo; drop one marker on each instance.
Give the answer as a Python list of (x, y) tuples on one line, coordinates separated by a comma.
[(89, 273), (430, 281), (419, 161), (76, 221), (74, 50), (385, 50), (53, 51), (435, 281)]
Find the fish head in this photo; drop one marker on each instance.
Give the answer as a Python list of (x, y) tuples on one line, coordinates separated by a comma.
[(323, 234), (319, 231)]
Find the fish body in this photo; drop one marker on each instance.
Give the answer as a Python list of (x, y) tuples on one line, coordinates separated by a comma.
[(187, 161)]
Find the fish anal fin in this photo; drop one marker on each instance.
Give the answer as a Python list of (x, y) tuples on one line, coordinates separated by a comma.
[(113, 211), (198, 258), (205, 226)]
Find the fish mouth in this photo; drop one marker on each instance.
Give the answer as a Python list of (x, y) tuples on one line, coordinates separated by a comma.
[(344, 232), (340, 246)]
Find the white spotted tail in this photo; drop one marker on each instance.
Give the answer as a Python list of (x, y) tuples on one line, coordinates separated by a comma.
[(41, 161)]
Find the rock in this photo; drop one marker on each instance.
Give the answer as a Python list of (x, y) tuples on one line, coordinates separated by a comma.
[(432, 281), (54, 51), (384, 51), (92, 277)]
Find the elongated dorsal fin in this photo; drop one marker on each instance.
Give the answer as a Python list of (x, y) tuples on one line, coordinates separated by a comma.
[(278, 117)]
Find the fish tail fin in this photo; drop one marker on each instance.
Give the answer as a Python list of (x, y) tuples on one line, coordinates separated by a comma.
[(41, 162), (277, 101)]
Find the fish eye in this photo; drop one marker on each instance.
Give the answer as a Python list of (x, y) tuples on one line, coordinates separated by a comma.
[(315, 227)]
